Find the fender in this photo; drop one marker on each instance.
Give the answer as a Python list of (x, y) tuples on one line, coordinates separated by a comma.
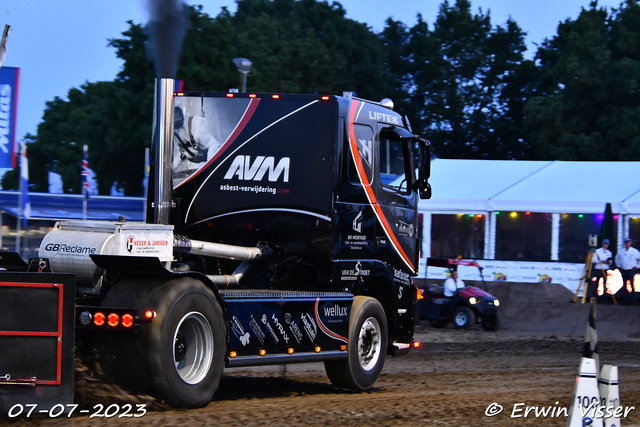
[(132, 266)]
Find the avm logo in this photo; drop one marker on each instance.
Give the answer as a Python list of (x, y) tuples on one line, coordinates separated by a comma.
[(247, 170)]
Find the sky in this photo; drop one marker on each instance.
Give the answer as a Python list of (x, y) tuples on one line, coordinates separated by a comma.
[(62, 44)]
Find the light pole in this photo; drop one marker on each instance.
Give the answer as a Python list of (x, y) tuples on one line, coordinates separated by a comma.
[(244, 66)]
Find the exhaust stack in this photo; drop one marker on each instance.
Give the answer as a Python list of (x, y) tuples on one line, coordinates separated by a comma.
[(163, 149)]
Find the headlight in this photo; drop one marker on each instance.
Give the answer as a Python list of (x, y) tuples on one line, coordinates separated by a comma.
[(473, 300), (496, 302)]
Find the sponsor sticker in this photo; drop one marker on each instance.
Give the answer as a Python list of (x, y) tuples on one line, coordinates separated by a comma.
[(280, 328), (257, 330), (69, 250), (401, 276), (353, 274), (143, 246), (265, 321), (239, 331), (293, 327), (310, 326)]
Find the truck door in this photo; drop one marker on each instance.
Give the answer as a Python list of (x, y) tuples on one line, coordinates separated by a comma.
[(396, 241), (356, 218)]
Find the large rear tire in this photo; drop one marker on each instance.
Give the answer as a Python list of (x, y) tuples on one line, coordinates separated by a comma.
[(186, 342), (366, 349), (179, 356)]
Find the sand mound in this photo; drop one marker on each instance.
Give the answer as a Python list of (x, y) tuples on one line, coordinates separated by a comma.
[(548, 308)]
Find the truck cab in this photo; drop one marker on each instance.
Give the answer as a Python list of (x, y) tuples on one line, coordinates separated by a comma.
[(280, 229)]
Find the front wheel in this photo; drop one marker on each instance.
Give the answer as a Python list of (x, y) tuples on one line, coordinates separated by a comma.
[(491, 323), (366, 349), (463, 318)]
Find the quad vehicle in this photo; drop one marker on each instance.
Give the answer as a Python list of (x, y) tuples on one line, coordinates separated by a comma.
[(468, 306)]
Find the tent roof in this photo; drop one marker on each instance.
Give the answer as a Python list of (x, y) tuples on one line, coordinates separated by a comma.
[(536, 186)]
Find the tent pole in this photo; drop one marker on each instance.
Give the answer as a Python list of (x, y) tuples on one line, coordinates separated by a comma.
[(555, 236)]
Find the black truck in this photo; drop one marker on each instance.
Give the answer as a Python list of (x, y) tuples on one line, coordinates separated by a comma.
[(280, 229)]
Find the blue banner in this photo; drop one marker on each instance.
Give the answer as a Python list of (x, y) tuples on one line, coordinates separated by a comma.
[(9, 79)]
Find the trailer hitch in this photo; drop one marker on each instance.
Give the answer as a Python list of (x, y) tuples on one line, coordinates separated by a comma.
[(39, 265)]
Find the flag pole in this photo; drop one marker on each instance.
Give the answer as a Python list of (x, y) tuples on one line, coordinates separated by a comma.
[(85, 180), (84, 202), (19, 219)]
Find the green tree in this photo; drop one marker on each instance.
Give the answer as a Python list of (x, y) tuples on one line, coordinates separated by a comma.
[(588, 105), (466, 85)]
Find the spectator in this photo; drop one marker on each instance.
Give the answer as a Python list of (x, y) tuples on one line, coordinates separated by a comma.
[(602, 259), (627, 260)]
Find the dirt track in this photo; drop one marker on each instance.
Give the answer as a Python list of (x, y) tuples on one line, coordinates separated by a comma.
[(449, 381)]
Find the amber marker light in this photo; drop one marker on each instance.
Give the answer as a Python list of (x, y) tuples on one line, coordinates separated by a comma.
[(149, 314), (416, 344), (420, 294), (98, 319), (343, 347), (127, 320), (113, 320), (290, 350), (229, 95), (252, 95), (317, 349), (179, 93), (275, 96), (262, 352), (325, 98), (233, 354)]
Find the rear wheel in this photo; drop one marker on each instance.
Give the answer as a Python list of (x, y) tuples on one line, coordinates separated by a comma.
[(186, 342), (463, 318), (179, 356), (366, 349)]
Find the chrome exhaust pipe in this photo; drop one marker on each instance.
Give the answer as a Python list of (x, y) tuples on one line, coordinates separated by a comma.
[(163, 153)]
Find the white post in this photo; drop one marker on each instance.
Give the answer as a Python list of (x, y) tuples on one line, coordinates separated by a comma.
[(555, 237), (487, 235), (426, 234), (621, 224), (625, 232), (492, 237)]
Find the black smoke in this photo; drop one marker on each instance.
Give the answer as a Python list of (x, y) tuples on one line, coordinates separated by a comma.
[(166, 28)]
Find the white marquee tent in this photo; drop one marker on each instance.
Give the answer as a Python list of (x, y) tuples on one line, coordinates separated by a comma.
[(556, 187)]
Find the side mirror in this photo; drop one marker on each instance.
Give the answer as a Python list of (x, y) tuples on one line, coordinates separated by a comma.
[(425, 160), (424, 172)]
